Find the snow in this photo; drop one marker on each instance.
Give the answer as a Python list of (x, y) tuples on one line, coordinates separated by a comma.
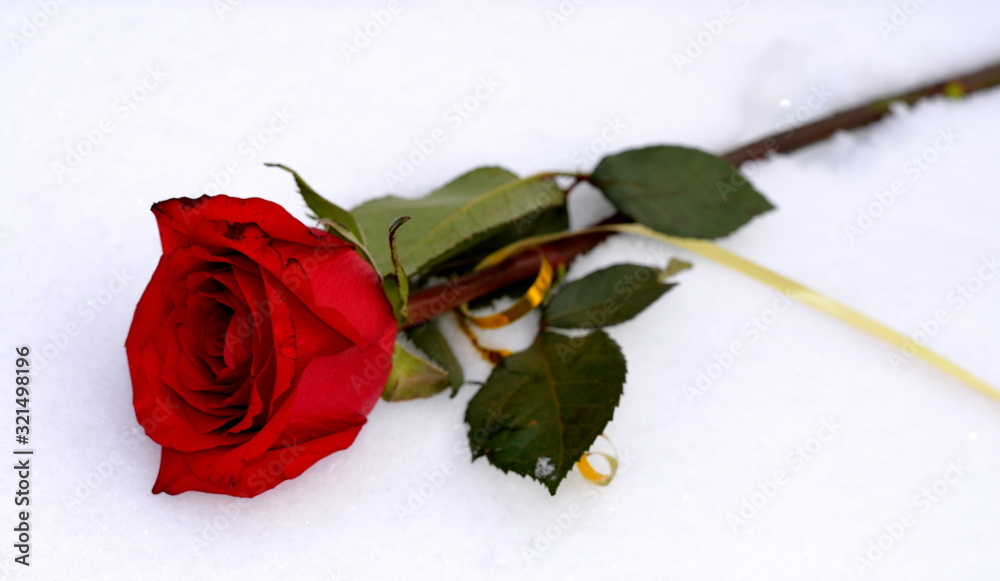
[(544, 467), (833, 449)]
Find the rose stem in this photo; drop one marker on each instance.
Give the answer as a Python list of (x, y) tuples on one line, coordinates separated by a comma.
[(430, 302), (790, 140), (427, 303)]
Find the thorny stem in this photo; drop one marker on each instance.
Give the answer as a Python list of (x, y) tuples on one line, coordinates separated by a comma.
[(425, 304)]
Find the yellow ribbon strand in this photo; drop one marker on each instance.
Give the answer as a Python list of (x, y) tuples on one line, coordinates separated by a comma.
[(523, 306), (818, 301), (795, 290), (492, 355), (588, 471)]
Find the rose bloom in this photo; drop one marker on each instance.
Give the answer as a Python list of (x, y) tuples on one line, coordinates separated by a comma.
[(258, 348)]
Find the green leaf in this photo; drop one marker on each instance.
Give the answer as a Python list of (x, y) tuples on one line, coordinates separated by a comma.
[(325, 209), (544, 222), (397, 285), (606, 297), (412, 376), (673, 267), (456, 216), (430, 340), (542, 408), (679, 191)]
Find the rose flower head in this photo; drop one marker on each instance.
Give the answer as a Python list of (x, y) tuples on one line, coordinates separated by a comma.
[(258, 348)]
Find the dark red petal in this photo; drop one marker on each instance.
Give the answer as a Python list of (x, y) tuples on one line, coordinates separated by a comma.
[(213, 470), (180, 219)]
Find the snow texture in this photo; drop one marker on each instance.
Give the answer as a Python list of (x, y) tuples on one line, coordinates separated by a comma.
[(544, 467), (758, 440)]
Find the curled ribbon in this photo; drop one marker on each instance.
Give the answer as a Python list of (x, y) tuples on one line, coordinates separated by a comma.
[(523, 306), (527, 303), (492, 355), (592, 475)]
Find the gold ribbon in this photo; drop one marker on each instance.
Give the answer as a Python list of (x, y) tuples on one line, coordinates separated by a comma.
[(492, 355), (592, 475), (527, 303), (523, 306)]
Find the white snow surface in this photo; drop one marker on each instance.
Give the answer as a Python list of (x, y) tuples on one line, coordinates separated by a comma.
[(862, 446)]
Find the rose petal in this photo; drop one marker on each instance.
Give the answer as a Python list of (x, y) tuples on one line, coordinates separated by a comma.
[(201, 471)]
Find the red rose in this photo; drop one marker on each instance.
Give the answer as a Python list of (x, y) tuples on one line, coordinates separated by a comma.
[(259, 346)]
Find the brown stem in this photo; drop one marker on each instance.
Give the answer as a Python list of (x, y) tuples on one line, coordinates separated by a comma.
[(428, 303), (425, 304), (788, 141)]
